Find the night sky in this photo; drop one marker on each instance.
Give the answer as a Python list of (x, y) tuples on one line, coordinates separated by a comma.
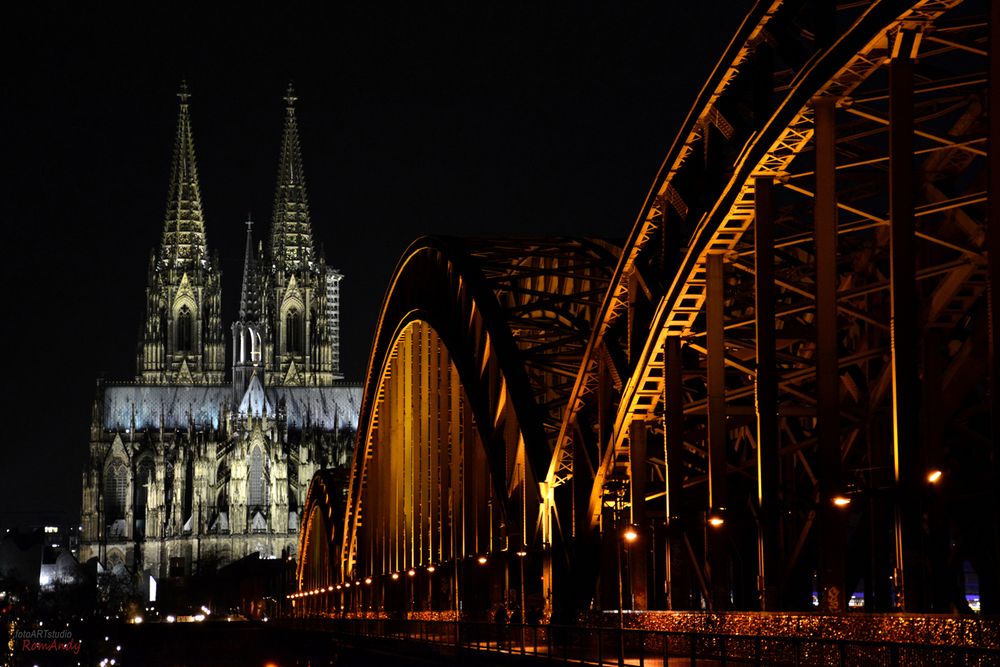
[(492, 120)]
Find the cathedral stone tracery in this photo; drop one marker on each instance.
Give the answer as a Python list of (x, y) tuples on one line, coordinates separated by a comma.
[(188, 472)]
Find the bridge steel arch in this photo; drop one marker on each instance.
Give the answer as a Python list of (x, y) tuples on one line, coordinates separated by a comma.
[(801, 315), (477, 347), (320, 534)]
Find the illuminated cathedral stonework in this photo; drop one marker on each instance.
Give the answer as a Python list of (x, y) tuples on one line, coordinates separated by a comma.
[(188, 472)]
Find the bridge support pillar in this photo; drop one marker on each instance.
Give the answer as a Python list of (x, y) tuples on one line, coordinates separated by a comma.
[(766, 398), (905, 329), (717, 548), (832, 518), (989, 590), (638, 462), (673, 446)]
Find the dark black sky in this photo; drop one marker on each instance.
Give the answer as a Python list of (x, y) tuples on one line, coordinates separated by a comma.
[(492, 120)]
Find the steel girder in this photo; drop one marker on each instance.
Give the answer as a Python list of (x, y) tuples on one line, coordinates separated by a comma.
[(755, 123)]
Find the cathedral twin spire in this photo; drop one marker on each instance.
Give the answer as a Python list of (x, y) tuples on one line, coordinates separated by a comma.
[(284, 304), (291, 230), (184, 224), (184, 240)]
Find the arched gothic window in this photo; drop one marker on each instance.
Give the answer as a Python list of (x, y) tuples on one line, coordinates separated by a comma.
[(144, 476), (293, 331), (115, 485), (184, 337), (255, 480)]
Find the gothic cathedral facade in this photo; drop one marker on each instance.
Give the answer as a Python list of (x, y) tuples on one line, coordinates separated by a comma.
[(188, 471)]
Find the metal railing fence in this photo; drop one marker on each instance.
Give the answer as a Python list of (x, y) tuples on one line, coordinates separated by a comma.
[(592, 645)]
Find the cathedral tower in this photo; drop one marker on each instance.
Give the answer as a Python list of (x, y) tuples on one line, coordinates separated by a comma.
[(182, 338), (299, 344)]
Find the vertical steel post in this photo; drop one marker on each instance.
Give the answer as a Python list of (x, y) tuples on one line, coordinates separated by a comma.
[(832, 597), (673, 445), (904, 331), (766, 399), (718, 436)]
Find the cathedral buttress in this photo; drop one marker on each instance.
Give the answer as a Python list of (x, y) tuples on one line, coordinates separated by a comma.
[(182, 339), (299, 349)]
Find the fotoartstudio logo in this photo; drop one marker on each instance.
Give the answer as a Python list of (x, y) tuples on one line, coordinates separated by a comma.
[(33, 641)]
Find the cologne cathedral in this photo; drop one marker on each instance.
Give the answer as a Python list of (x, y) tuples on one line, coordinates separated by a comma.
[(189, 471)]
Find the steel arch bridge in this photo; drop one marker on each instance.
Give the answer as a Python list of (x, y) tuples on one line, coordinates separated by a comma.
[(785, 380)]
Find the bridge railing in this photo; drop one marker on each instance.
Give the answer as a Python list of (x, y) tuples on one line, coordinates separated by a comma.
[(574, 644)]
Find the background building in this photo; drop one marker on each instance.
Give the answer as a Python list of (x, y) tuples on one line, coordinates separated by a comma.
[(188, 472)]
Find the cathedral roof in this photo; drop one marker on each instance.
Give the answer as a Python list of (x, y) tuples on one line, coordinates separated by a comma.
[(175, 406), (255, 403), (184, 223), (291, 228)]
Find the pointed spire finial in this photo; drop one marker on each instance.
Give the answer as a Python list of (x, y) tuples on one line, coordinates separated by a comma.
[(182, 93), (290, 97)]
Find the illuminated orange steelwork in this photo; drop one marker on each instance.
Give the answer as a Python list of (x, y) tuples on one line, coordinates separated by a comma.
[(742, 354)]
